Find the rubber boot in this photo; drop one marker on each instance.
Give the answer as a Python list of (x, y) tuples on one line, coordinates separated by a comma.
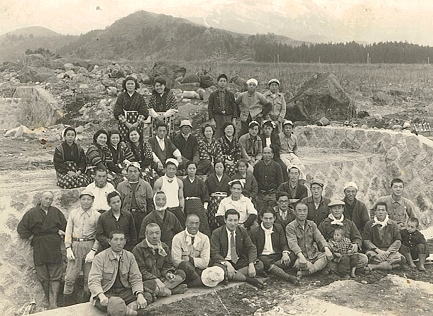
[(280, 273), (421, 257), (255, 282)]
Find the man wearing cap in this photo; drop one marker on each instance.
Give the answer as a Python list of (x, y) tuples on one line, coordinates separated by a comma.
[(294, 187), (172, 186), (400, 209), (269, 177), (100, 188), (336, 219), (190, 251), (81, 245), (222, 107), (136, 194), (305, 240), (289, 148), (251, 144), (186, 143), (167, 221), (273, 95), (252, 105), (239, 202), (317, 204), (233, 250), (354, 209), (115, 273)]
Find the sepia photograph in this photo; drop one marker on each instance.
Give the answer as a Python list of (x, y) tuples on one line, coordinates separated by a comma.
[(219, 157)]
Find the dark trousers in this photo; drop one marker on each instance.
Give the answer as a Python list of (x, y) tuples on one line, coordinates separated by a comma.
[(275, 258), (138, 216), (220, 119), (124, 293), (179, 214), (414, 251), (191, 272)]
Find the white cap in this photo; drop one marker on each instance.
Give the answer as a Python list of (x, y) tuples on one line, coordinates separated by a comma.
[(185, 123), (212, 276), (173, 161), (350, 184), (252, 80), (273, 80), (287, 122), (335, 203)]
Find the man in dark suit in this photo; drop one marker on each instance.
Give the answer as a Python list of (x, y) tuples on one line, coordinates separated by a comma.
[(295, 187), (272, 249), (233, 250)]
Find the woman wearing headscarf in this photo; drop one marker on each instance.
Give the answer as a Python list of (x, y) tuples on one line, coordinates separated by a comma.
[(230, 148), (70, 162), (131, 109)]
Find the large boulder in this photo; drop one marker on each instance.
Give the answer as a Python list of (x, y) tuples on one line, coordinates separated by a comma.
[(168, 71), (321, 96)]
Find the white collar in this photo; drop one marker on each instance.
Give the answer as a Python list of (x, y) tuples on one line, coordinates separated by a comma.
[(381, 223), (267, 230), (335, 221)]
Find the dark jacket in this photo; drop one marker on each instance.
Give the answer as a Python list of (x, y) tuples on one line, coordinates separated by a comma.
[(143, 195), (219, 245), (77, 154), (301, 190), (108, 223), (349, 228), (319, 214), (283, 222), (251, 187), (119, 154), (98, 156), (214, 107), (279, 242), (275, 144), (136, 102), (359, 214), (188, 148), (162, 155), (169, 225)]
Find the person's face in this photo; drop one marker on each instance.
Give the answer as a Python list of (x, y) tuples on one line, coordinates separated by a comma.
[(236, 190), (133, 174), (192, 224), (47, 199), (170, 170), (101, 140), (222, 83), (268, 220), (288, 129), (316, 190), (242, 167), (191, 170), (185, 130), (274, 87), (267, 130), (115, 139), (219, 169), (101, 178), (161, 132), (229, 131), (130, 85), (159, 87), (232, 221), (381, 212), (86, 202), (160, 200), (69, 137), (294, 174), (267, 154), (208, 132), (301, 211), (134, 136), (337, 211), (254, 131), (397, 189), (283, 203), (411, 227), (117, 242), (350, 193), (115, 203), (338, 236), (252, 87), (153, 235)]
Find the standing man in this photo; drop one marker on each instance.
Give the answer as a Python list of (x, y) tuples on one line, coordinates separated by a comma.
[(400, 209), (269, 176), (295, 187), (44, 225), (136, 194), (115, 280), (81, 245), (116, 219), (354, 209), (186, 143), (251, 144), (100, 189), (233, 250), (252, 105), (304, 238), (222, 107), (172, 186), (190, 251), (317, 204), (273, 95), (289, 148)]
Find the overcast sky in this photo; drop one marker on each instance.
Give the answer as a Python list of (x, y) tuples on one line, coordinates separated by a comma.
[(361, 20)]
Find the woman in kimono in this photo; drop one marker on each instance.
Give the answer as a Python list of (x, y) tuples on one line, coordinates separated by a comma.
[(209, 151), (131, 109), (218, 187), (251, 188), (230, 148), (196, 197), (142, 153), (119, 150), (70, 162)]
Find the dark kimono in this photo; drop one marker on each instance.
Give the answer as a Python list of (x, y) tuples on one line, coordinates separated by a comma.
[(218, 190), (101, 156), (70, 158), (195, 194), (143, 155), (162, 103), (119, 155), (208, 153), (231, 150)]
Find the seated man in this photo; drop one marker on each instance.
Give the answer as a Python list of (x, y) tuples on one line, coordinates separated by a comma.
[(400, 209), (283, 213), (100, 189), (382, 241), (233, 250), (295, 187), (154, 261), (167, 221), (251, 145), (190, 251), (270, 241), (317, 204), (289, 148), (304, 238), (115, 273), (186, 143), (354, 209)]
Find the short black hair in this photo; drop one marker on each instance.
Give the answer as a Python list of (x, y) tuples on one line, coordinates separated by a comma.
[(101, 169), (222, 76), (242, 160), (160, 80), (69, 128), (99, 132), (189, 163), (231, 212), (134, 129), (282, 193), (116, 232), (268, 210), (203, 129), (414, 220), (114, 132), (137, 85), (300, 202), (112, 195), (379, 204), (161, 124), (396, 180), (228, 124)]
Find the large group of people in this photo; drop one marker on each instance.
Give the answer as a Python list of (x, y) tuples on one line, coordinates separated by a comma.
[(160, 215)]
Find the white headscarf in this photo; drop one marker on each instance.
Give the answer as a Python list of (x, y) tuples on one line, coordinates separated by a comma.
[(154, 201), (336, 221), (158, 248)]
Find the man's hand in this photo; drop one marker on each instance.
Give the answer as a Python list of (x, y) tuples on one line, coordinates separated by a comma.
[(90, 256), (381, 254), (285, 259), (230, 270), (302, 262), (61, 232), (70, 254), (169, 276), (141, 301), (328, 254), (251, 270), (103, 300), (354, 248)]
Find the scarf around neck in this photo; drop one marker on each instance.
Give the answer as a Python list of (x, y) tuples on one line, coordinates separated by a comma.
[(336, 221), (266, 230), (157, 248), (381, 223)]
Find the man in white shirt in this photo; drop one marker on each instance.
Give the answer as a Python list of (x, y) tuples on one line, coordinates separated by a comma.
[(100, 189)]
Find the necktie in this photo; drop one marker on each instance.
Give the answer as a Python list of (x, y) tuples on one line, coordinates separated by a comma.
[(233, 254), (192, 241)]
